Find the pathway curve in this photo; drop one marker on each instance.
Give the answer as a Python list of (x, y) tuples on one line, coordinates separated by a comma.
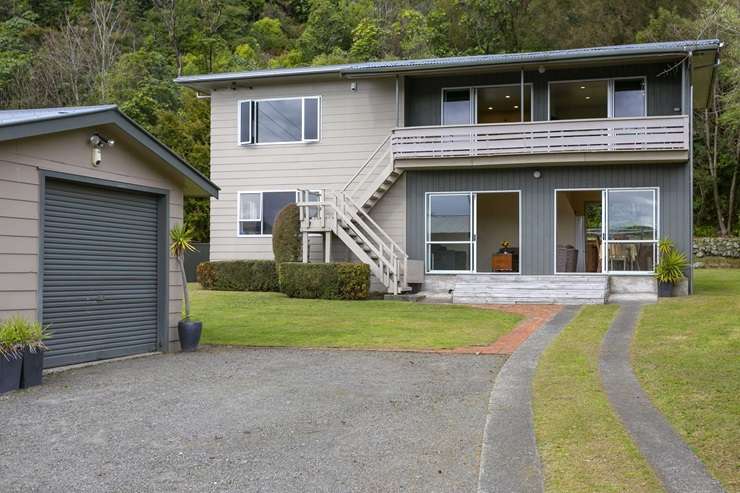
[(509, 461), (674, 463)]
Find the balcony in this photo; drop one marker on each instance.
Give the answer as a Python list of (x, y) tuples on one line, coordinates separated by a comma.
[(659, 138)]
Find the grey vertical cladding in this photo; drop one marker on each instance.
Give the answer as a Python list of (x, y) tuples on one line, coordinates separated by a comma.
[(100, 289), (423, 104), (538, 200)]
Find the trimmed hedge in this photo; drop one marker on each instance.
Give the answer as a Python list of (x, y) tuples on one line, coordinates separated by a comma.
[(286, 235), (239, 275), (336, 281)]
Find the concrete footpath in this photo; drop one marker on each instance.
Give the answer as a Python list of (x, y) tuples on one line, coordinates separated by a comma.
[(674, 463), (509, 461)]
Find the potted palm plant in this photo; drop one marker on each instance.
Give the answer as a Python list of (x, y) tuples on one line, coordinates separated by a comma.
[(669, 270), (181, 241), (33, 353), (11, 354)]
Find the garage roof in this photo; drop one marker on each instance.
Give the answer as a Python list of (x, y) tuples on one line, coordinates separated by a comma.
[(18, 124)]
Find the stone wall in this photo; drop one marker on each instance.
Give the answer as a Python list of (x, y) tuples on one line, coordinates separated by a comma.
[(717, 247)]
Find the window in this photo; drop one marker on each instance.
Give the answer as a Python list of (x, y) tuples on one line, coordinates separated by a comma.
[(629, 97), (274, 121), (502, 104), (449, 232), (456, 106), (486, 104), (580, 99), (604, 98), (257, 211)]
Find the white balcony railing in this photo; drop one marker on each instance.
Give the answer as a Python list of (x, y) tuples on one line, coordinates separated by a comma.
[(652, 133)]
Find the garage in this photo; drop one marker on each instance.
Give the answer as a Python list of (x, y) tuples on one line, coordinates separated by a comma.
[(100, 272), (87, 198)]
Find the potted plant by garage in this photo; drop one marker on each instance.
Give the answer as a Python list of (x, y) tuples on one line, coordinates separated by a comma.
[(11, 354), (33, 353), (181, 241), (669, 270)]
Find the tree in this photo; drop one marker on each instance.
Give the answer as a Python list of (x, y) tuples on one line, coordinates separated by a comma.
[(716, 128), (109, 27), (367, 41), (181, 242), (286, 235), (269, 35)]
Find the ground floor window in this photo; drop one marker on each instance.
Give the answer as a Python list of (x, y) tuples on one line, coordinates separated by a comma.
[(472, 232), (257, 210), (606, 230)]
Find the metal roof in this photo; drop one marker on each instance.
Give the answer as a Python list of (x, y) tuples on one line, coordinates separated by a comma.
[(393, 66), (11, 117), (18, 124)]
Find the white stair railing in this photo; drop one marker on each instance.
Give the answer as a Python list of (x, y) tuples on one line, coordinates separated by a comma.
[(371, 174), (338, 213)]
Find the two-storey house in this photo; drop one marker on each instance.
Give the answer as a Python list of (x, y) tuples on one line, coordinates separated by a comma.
[(529, 177)]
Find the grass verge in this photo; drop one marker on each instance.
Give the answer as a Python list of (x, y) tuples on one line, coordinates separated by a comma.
[(272, 319), (583, 445), (686, 354)]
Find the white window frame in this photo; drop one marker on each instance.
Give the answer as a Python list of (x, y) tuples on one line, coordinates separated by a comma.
[(605, 231), (239, 220), (609, 94), (474, 232), (473, 117), (252, 134)]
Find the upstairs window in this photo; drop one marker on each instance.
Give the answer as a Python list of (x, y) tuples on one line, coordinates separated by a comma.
[(486, 104), (629, 97), (602, 98), (456, 104), (279, 121)]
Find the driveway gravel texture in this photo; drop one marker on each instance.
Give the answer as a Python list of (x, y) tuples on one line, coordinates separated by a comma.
[(227, 419)]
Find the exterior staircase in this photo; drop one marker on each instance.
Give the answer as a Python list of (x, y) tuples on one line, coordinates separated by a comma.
[(346, 213), (510, 289)]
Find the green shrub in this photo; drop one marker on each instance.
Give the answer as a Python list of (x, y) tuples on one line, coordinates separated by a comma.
[(286, 235), (672, 263), (342, 281), (239, 275), (354, 281)]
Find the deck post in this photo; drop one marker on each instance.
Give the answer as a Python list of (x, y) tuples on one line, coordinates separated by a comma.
[(327, 247), (305, 247)]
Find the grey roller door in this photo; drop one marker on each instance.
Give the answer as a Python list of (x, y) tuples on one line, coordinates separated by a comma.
[(100, 280)]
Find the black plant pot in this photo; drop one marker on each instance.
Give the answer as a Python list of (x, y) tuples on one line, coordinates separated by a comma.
[(10, 372), (33, 366), (665, 289), (189, 331)]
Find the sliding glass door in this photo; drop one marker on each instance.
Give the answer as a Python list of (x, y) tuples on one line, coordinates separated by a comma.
[(631, 230), (613, 230), (450, 240)]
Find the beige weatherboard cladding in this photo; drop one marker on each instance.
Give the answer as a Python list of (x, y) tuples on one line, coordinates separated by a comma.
[(352, 124), (21, 164)]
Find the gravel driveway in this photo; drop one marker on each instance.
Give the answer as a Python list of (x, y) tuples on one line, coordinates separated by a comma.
[(252, 420)]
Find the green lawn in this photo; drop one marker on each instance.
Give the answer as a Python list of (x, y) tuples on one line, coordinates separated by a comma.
[(686, 354), (272, 319), (584, 447)]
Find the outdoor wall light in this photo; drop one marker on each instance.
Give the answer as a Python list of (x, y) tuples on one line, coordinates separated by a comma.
[(537, 174), (97, 142)]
